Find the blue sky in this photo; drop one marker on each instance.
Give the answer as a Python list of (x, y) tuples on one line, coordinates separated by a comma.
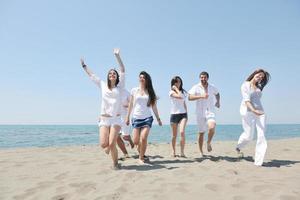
[(41, 80)]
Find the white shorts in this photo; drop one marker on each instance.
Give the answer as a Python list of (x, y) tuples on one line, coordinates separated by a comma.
[(125, 130), (202, 121), (110, 121)]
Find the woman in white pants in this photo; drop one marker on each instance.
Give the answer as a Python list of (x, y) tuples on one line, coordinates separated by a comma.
[(110, 119), (253, 114)]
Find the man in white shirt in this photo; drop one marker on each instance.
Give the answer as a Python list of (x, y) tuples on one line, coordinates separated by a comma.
[(207, 98)]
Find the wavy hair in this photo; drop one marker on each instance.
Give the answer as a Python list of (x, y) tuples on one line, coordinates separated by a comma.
[(263, 82)]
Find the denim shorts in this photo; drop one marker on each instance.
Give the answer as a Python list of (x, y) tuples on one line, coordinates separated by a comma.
[(176, 118), (139, 123)]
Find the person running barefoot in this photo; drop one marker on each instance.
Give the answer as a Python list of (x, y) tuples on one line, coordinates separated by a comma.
[(178, 118), (110, 117), (125, 129), (142, 100), (207, 98), (253, 114)]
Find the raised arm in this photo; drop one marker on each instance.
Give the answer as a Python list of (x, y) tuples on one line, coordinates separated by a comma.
[(89, 72), (119, 60), (155, 110)]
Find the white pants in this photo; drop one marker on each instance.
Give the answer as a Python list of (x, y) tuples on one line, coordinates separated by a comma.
[(250, 121)]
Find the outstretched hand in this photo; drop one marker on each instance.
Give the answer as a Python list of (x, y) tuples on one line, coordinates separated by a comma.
[(259, 112), (205, 96), (82, 61), (117, 51)]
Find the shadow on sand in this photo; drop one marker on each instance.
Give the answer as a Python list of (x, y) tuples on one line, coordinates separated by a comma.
[(154, 164)]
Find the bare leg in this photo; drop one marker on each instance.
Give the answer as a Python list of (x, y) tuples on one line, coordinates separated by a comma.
[(136, 138), (182, 134), (200, 142), (128, 138), (113, 135), (211, 132), (104, 138), (174, 135), (121, 145), (144, 140)]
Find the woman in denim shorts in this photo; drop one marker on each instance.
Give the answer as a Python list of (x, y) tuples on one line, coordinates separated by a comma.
[(142, 101)]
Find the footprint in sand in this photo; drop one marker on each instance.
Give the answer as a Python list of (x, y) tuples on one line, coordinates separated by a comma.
[(261, 188), (238, 197), (288, 197), (212, 187), (45, 184), (61, 176), (84, 187), (60, 197), (27, 194), (232, 171), (114, 196)]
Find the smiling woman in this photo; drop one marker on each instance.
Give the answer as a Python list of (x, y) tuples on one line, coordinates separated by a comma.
[(253, 114), (110, 119)]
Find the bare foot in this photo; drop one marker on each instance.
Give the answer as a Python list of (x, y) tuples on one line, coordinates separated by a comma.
[(182, 155), (126, 156), (116, 167), (141, 162), (240, 154), (209, 148), (106, 150)]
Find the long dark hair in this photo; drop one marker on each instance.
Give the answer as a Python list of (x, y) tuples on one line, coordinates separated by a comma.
[(264, 81), (174, 80), (149, 87), (109, 82)]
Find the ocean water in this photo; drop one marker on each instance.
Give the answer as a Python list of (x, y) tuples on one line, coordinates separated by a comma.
[(12, 136)]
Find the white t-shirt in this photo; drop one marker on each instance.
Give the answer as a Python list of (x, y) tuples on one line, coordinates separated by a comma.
[(252, 95), (111, 99), (125, 102), (177, 105), (204, 106), (140, 108)]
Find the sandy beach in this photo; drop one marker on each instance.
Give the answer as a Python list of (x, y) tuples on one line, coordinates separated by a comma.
[(83, 172)]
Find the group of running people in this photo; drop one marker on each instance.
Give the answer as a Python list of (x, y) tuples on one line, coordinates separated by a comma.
[(120, 107)]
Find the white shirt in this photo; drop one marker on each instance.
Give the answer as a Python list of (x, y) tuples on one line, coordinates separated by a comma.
[(177, 105), (252, 95), (125, 102), (204, 106), (140, 108), (111, 99)]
